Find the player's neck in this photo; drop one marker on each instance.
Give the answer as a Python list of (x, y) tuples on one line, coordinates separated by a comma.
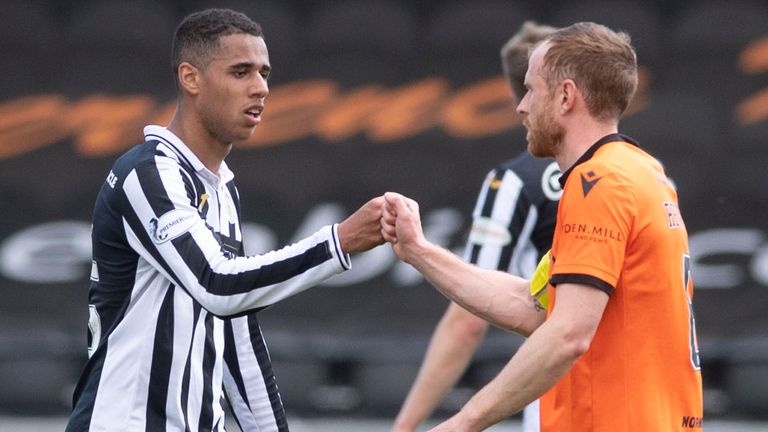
[(191, 131), (578, 140)]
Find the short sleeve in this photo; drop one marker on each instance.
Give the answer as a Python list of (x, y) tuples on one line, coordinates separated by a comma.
[(593, 228)]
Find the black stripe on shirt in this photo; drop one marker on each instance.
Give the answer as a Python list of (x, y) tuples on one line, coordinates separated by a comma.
[(490, 197), (187, 367), (209, 358), (189, 187), (86, 389), (233, 363), (262, 356), (162, 357)]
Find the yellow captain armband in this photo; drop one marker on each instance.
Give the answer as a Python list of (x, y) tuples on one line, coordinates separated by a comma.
[(539, 283)]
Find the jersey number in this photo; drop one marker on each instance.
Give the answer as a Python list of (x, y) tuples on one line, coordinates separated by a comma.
[(692, 339)]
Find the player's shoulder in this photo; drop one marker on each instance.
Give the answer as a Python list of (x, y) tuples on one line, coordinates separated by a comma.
[(131, 158), (149, 154), (539, 176), (603, 170), (617, 173), (621, 162)]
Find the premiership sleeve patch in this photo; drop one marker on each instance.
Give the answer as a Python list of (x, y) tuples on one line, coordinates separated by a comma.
[(171, 225), (489, 232)]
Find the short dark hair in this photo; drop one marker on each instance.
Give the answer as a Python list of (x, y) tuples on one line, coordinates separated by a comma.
[(198, 35)]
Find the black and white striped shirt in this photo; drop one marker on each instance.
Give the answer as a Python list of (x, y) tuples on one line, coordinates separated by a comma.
[(514, 217), (173, 329)]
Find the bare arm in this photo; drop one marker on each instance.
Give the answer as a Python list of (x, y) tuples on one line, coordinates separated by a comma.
[(498, 297), (361, 231), (455, 340), (539, 363)]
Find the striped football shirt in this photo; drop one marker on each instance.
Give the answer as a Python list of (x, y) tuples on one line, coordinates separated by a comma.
[(514, 217), (173, 331)]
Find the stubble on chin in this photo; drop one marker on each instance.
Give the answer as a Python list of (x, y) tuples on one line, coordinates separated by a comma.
[(539, 151), (537, 145), (545, 140)]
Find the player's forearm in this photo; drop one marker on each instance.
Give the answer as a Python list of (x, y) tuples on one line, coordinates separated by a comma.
[(537, 366), (455, 340), (499, 298), (422, 399)]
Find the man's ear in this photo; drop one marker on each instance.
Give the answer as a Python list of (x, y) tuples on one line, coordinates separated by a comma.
[(189, 78), (568, 94)]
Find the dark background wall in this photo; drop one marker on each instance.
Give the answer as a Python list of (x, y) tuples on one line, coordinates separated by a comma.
[(369, 96)]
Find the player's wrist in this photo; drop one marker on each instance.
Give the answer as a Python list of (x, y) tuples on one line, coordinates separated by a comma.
[(403, 427), (417, 252), (406, 422), (464, 421), (472, 416)]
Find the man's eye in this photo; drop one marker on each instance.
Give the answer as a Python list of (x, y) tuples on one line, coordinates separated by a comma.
[(240, 74)]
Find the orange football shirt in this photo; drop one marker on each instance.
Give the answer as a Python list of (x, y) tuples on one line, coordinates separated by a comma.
[(619, 229)]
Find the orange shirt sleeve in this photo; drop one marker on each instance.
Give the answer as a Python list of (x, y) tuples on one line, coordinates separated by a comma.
[(594, 223)]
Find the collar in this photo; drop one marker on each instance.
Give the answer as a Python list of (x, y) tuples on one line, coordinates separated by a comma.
[(160, 133), (591, 151)]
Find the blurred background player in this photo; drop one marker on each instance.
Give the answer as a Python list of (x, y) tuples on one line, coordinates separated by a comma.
[(513, 222)]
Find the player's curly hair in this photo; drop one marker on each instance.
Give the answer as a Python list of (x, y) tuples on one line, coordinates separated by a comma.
[(197, 36)]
